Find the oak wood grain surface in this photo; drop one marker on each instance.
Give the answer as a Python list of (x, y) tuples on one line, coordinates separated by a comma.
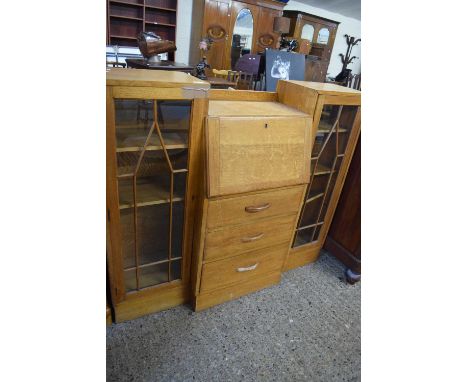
[(326, 88), (235, 240), (244, 268), (228, 211), (206, 300), (255, 153), (152, 78), (218, 108)]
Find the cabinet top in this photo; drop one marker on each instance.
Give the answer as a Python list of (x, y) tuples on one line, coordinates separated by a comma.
[(293, 13), (252, 108), (155, 78), (327, 88)]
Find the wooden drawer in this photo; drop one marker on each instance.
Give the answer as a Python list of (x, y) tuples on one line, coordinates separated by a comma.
[(231, 241), (243, 268), (248, 208), (257, 153)]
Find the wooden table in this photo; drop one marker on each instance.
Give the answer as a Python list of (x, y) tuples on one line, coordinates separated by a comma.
[(141, 63), (220, 83), (116, 64)]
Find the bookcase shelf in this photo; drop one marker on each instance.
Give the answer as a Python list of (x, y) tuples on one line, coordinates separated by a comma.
[(126, 3), (123, 37), (158, 23), (133, 139), (161, 8), (148, 193), (126, 19)]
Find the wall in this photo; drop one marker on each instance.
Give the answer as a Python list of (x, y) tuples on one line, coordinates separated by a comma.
[(347, 25), (190, 18), (184, 30)]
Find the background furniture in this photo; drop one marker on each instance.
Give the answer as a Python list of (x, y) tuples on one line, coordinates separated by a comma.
[(127, 18), (321, 33), (337, 120), (354, 81), (257, 167), (108, 315), (222, 79), (115, 64), (250, 63), (344, 237), (154, 125), (245, 81), (219, 23), (221, 83), (141, 63)]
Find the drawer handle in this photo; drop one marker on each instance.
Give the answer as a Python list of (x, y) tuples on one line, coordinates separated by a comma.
[(259, 208), (246, 269), (252, 238)]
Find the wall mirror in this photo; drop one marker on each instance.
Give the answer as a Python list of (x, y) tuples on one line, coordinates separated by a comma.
[(242, 36), (307, 32), (323, 35)]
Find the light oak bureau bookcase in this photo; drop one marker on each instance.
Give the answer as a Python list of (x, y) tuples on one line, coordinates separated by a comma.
[(212, 194), (336, 111), (154, 130), (258, 165)]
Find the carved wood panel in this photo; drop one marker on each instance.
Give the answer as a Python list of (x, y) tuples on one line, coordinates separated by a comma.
[(265, 37), (215, 26)]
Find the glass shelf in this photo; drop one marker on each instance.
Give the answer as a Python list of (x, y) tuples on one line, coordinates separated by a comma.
[(150, 191), (133, 139)]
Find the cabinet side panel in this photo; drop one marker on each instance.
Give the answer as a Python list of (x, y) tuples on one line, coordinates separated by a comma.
[(112, 204), (194, 191), (212, 149), (296, 96)]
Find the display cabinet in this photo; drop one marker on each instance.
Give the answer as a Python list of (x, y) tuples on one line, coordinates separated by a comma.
[(321, 33), (337, 115), (154, 121)]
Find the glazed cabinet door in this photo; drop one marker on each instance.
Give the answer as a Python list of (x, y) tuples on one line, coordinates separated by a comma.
[(337, 131), (148, 154), (255, 153)]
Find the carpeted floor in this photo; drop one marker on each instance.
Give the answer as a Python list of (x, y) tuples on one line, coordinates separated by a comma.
[(307, 328)]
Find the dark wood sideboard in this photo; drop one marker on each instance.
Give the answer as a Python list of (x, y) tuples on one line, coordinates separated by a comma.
[(321, 33), (344, 237)]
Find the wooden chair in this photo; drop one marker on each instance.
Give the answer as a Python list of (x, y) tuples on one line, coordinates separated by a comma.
[(232, 76), (245, 81), (220, 73), (354, 81)]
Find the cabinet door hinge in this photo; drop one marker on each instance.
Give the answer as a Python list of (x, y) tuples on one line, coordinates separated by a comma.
[(108, 214)]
